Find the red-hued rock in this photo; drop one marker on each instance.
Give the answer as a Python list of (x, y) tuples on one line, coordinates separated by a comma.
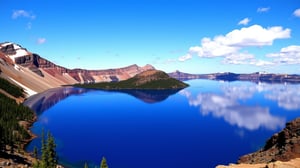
[(282, 146)]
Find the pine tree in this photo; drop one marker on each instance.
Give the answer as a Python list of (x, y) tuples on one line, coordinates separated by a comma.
[(49, 158), (86, 165), (35, 152), (52, 160), (103, 163), (44, 162)]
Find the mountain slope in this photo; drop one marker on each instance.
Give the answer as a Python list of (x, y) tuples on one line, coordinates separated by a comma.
[(151, 79), (36, 74)]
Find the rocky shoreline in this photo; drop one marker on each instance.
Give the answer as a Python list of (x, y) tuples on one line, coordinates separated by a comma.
[(20, 158), (281, 150)]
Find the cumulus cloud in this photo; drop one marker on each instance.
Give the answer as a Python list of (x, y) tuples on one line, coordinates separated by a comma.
[(233, 41), (287, 55), (41, 40), (244, 21), (254, 36), (22, 13), (263, 9), (297, 12), (231, 45)]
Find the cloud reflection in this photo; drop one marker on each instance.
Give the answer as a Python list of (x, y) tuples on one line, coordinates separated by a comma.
[(286, 96), (227, 106)]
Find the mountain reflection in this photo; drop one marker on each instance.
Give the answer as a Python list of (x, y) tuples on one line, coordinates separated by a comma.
[(148, 96), (230, 104), (43, 101)]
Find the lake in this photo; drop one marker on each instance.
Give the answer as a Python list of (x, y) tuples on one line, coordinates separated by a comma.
[(204, 125)]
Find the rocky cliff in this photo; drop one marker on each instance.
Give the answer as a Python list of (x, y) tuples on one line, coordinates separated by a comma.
[(282, 146), (38, 74), (282, 150)]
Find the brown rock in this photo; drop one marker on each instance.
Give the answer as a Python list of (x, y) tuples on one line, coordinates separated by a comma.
[(282, 146)]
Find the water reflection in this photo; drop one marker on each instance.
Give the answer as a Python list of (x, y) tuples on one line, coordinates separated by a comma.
[(228, 107), (228, 104), (149, 96), (43, 101), (287, 96)]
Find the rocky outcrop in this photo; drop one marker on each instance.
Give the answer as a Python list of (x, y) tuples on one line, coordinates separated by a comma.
[(282, 146), (294, 163)]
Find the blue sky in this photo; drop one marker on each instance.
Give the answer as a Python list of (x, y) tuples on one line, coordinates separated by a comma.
[(195, 36)]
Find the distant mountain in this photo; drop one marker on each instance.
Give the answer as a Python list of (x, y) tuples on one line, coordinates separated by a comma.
[(36, 74), (151, 79), (228, 76)]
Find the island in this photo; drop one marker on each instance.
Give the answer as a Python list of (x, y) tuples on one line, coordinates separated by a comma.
[(151, 80)]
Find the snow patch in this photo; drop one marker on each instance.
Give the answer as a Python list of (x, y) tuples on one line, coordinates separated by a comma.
[(18, 68), (19, 51), (28, 91)]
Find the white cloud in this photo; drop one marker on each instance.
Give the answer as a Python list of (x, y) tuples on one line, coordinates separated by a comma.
[(41, 40), (213, 48), (185, 57), (263, 9), (255, 36), (231, 45), (261, 63), (22, 13), (297, 12), (238, 58), (244, 21), (287, 55)]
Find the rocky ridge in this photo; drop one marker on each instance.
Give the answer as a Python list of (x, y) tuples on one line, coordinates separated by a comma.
[(22, 67), (228, 76)]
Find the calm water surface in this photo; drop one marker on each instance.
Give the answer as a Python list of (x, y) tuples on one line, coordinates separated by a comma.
[(206, 124)]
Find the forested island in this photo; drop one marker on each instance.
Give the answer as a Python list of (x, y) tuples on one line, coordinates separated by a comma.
[(151, 79)]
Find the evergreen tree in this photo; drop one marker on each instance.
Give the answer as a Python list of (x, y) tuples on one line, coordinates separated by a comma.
[(52, 158), (35, 152), (49, 158), (44, 160), (103, 163)]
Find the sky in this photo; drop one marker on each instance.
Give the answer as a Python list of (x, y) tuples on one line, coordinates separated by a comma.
[(193, 36)]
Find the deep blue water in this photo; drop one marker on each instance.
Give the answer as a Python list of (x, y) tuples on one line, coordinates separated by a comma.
[(206, 124)]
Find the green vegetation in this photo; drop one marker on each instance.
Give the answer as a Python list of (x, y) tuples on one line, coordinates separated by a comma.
[(11, 89), (146, 80), (49, 157), (12, 133), (103, 163)]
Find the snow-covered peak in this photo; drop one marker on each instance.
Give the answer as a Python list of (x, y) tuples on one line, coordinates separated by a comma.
[(13, 50)]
